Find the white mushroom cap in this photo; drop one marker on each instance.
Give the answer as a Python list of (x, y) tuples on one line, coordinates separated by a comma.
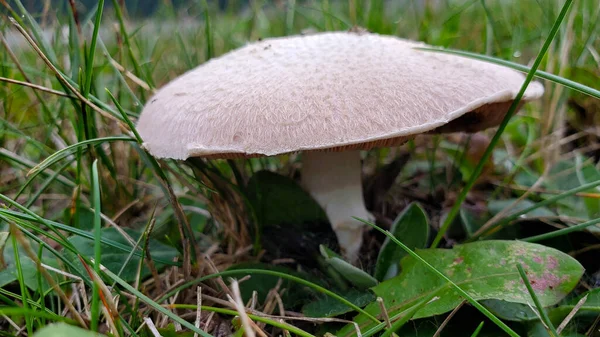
[(337, 90), (330, 91)]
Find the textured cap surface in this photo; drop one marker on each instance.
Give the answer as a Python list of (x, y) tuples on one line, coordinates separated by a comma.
[(329, 90)]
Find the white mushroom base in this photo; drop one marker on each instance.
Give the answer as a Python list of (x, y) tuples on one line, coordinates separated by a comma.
[(334, 181)]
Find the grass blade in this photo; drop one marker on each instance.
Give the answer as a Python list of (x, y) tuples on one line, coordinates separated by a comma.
[(97, 246), (478, 329), (89, 62), (537, 303), (208, 35), (563, 231)]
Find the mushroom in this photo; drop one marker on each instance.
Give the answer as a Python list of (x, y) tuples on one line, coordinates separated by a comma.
[(328, 95)]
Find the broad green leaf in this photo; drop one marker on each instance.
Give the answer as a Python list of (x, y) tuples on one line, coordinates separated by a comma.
[(28, 267), (484, 269), (585, 315), (412, 228), (593, 298), (354, 275), (537, 329), (587, 173), (63, 329), (330, 307), (510, 311), (526, 177), (470, 221), (30, 274), (517, 129), (590, 309), (278, 200), (84, 220), (496, 206), (171, 331), (114, 259), (571, 205)]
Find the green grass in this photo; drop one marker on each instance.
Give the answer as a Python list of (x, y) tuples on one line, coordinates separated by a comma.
[(75, 181)]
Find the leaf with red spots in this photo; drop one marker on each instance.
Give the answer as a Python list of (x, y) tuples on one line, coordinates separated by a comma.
[(484, 269)]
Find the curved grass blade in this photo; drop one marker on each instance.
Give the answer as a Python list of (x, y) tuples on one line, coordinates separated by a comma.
[(58, 155), (25, 163), (584, 89), (95, 306), (413, 226), (563, 231), (33, 198)]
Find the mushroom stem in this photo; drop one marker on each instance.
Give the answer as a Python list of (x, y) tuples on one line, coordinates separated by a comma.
[(334, 181)]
